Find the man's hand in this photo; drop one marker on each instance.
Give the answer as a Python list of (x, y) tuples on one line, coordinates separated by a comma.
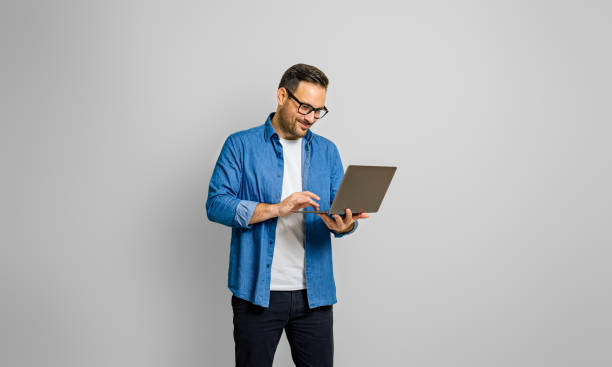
[(342, 225), (296, 201)]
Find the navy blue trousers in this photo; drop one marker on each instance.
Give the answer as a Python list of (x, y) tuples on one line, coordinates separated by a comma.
[(257, 330)]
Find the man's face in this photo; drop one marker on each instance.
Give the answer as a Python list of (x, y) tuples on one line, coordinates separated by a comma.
[(294, 124)]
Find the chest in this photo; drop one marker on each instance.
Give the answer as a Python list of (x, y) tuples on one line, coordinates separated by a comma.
[(267, 167)]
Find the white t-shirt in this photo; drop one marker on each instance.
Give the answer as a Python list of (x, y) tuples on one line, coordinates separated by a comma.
[(288, 261)]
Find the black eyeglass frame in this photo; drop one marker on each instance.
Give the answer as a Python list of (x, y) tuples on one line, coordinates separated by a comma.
[(309, 106)]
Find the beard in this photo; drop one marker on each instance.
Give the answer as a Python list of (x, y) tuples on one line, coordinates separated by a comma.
[(297, 131), (293, 127)]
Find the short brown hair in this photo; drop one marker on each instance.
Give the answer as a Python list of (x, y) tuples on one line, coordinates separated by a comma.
[(302, 72)]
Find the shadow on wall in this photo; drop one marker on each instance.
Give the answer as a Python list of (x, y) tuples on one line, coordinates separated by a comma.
[(192, 267)]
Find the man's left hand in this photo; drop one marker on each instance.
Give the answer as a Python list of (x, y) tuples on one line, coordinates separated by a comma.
[(340, 224)]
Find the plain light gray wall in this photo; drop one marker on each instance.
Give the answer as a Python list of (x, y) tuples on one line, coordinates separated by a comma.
[(492, 247)]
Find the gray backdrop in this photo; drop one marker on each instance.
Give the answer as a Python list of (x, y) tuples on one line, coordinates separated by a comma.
[(492, 247)]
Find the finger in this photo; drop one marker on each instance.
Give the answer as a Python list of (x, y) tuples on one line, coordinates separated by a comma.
[(327, 220), (308, 201), (324, 217), (361, 216), (306, 198), (338, 220), (348, 216), (314, 204), (307, 204), (311, 194)]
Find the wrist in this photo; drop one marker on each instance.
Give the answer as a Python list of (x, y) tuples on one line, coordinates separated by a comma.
[(276, 210)]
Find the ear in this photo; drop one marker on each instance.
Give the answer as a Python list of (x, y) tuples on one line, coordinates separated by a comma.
[(281, 96)]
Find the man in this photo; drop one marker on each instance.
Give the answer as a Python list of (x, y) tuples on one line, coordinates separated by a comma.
[(280, 270)]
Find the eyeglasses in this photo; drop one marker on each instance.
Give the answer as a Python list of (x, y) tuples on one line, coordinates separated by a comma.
[(305, 108)]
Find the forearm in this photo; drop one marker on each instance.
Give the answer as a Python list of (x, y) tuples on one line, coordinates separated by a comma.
[(264, 212)]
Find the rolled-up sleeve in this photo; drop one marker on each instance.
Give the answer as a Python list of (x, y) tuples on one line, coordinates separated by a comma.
[(244, 213), (222, 204), (336, 179)]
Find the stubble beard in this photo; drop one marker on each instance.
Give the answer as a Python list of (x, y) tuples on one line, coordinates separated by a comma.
[(292, 128), (296, 131)]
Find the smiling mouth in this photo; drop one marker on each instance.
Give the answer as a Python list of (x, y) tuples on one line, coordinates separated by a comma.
[(305, 125)]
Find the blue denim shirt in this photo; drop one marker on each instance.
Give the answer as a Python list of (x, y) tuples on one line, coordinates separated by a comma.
[(249, 171)]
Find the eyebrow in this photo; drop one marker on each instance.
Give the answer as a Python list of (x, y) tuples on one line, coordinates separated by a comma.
[(301, 100), (318, 108)]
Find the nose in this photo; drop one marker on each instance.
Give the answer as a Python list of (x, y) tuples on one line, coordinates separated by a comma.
[(310, 117)]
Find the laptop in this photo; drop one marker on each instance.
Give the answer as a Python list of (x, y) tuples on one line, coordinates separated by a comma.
[(362, 190)]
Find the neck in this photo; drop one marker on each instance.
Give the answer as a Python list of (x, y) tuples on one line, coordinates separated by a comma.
[(279, 129)]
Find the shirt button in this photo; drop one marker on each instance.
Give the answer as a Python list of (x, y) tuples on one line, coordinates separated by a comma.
[(270, 242), (267, 265)]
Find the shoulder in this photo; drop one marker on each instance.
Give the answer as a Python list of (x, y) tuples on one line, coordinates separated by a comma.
[(322, 143), (239, 138)]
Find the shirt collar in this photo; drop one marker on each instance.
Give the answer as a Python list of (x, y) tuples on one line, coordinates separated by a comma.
[(269, 131)]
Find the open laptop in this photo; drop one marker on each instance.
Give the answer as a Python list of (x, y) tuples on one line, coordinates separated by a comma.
[(362, 190)]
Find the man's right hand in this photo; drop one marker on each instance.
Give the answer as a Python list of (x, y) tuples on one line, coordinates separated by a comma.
[(296, 201)]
